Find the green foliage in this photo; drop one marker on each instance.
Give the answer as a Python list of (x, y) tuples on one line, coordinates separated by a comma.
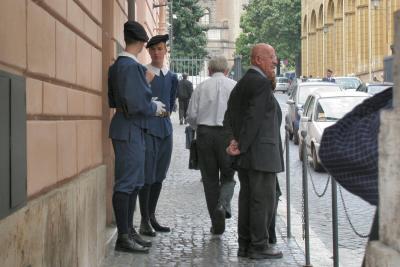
[(189, 37), (277, 22)]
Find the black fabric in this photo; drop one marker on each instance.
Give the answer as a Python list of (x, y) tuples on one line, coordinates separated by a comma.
[(134, 30), (193, 156), (144, 195), (155, 191), (157, 39), (189, 133), (271, 228), (185, 89), (121, 206), (215, 167), (257, 199), (183, 106), (349, 148), (132, 206), (253, 118)]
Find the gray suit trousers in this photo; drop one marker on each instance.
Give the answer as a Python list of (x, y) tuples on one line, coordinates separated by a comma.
[(257, 199)]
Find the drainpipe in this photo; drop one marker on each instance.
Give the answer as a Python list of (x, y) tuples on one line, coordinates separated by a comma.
[(131, 9)]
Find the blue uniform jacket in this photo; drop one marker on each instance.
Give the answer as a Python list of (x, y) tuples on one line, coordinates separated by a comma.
[(129, 91), (164, 88)]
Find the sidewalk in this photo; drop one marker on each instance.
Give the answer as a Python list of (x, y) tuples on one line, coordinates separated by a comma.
[(182, 207)]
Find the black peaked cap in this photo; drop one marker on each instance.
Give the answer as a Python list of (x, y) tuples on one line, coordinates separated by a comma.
[(157, 39), (134, 30)]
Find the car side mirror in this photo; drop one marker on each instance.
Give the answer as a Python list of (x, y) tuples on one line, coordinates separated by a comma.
[(290, 102)]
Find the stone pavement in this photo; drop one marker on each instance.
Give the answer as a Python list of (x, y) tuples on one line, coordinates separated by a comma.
[(182, 206)]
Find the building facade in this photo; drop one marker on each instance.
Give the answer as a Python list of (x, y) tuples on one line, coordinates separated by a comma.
[(351, 37), (222, 18), (57, 171)]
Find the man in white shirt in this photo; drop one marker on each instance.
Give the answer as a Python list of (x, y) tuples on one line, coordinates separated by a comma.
[(205, 113)]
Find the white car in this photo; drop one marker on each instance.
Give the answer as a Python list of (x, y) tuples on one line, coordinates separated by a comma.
[(348, 83), (321, 110), (282, 84)]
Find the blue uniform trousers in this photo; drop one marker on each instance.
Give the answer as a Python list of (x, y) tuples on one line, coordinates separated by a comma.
[(158, 158), (129, 161)]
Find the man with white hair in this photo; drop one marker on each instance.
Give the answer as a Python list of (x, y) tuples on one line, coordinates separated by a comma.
[(206, 111), (253, 120)]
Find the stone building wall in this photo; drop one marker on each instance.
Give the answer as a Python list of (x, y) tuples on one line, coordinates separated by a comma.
[(63, 49), (350, 37)]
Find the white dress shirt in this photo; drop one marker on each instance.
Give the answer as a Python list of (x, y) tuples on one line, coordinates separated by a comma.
[(156, 70), (209, 101)]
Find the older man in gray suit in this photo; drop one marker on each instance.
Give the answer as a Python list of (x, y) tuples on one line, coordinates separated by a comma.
[(253, 118)]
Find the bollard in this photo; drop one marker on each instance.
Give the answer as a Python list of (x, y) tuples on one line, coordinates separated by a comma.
[(305, 200), (335, 231), (289, 231)]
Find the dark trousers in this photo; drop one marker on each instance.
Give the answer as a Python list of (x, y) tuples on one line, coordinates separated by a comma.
[(215, 168), (183, 106), (257, 199)]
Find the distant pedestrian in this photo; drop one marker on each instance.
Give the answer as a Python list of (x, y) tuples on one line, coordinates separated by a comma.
[(253, 120), (185, 90), (206, 113), (158, 136), (329, 77), (130, 94)]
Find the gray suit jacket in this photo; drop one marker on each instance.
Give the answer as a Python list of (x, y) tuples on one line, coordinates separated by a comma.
[(253, 118)]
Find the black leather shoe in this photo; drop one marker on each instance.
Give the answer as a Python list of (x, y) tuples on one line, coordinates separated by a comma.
[(146, 229), (219, 220), (266, 253), (125, 244), (242, 252), (157, 227), (138, 239)]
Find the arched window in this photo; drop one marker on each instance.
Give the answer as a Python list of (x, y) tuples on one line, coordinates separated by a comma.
[(321, 16), (205, 19), (313, 25), (305, 25), (331, 11)]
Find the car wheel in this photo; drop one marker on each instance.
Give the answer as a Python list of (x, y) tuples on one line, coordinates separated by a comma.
[(316, 166)]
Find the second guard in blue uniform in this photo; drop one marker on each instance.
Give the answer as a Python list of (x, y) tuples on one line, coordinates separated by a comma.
[(129, 93), (158, 137)]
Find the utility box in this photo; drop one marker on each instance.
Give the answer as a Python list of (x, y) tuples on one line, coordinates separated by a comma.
[(13, 159)]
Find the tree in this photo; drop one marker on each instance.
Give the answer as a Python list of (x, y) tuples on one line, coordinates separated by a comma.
[(277, 22), (189, 37)]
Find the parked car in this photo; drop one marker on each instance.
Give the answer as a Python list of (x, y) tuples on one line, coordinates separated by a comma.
[(293, 84), (321, 110), (297, 100), (348, 83), (374, 88), (282, 84)]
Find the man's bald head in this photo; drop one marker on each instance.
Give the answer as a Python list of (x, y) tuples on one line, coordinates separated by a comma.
[(263, 56)]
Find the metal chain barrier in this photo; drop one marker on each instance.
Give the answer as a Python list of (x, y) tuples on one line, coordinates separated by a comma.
[(348, 217), (313, 184)]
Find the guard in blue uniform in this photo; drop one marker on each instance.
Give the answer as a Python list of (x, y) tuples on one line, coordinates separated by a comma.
[(129, 93), (158, 137)]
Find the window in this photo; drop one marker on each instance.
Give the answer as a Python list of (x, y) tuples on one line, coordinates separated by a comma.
[(214, 34), (12, 143), (205, 19)]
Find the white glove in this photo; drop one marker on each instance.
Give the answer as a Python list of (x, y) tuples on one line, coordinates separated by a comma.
[(160, 107)]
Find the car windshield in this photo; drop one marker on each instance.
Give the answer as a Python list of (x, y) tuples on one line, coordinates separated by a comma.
[(282, 80), (334, 108), (374, 89), (348, 83), (305, 91)]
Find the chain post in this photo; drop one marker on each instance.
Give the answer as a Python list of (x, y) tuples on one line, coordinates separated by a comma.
[(289, 231), (305, 195), (335, 232)]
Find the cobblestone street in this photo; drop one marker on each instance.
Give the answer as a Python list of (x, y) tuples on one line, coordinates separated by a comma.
[(182, 206)]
